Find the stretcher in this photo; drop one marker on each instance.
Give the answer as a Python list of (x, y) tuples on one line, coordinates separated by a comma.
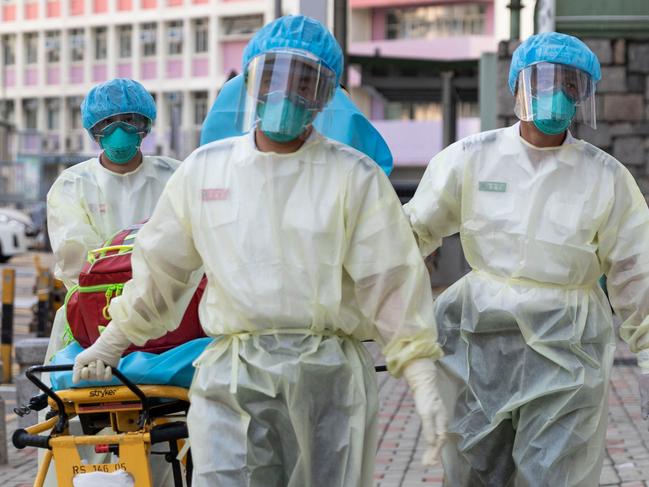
[(139, 416), (145, 404)]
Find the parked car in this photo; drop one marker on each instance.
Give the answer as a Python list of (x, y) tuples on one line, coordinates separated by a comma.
[(17, 233)]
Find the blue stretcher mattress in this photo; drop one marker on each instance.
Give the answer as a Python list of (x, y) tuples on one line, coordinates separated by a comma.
[(172, 368)]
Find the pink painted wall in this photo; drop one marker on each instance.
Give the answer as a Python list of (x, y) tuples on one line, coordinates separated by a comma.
[(31, 10), (99, 73), (174, 68), (100, 6), (31, 76), (10, 76), (76, 7), (174, 3), (490, 19), (124, 70), (53, 75), (200, 66), (8, 13), (124, 5), (413, 143), (76, 74), (232, 52), (149, 69), (443, 48), (149, 3), (378, 24), (53, 9), (200, 1)]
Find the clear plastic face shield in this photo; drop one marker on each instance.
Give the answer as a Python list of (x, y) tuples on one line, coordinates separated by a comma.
[(284, 91), (552, 95)]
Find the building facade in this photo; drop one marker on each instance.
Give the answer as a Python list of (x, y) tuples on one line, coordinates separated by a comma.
[(53, 51)]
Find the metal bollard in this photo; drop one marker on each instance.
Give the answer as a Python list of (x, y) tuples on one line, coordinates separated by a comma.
[(7, 331), (43, 302)]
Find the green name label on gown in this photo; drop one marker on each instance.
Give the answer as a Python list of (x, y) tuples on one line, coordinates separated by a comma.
[(493, 186)]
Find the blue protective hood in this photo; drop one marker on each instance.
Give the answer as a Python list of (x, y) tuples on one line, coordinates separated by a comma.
[(351, 128), (553, 47)]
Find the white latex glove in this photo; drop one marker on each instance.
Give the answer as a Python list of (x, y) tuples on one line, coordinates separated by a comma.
[(421, 377), (643, 382), (95, 362)]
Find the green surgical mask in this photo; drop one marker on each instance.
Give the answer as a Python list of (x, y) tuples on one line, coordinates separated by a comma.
[(283, 120), (120, 146), (553, 113)]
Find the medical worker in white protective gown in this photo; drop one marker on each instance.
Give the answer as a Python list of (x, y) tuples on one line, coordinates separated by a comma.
[(307, 251), (528, 334), (91, 201)]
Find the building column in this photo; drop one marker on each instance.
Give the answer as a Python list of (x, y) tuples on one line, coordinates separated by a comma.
[(20, 59), (64, 56), (449, 99), (188, 50), (111, 53), (41, 59), (162, 124), (64, 129), (215, 68), (161, 50), (136, 52), (187, 136), (88, 55)]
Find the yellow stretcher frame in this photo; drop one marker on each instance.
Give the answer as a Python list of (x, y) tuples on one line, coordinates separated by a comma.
[(133, 437)]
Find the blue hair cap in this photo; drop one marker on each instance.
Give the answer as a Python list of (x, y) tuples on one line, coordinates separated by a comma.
[(553, 47), (114, 97), (297, 32)]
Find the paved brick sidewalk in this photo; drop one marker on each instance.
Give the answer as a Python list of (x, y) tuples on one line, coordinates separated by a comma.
[(400, 448)]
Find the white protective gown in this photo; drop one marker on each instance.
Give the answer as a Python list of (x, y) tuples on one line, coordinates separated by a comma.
[(87, 205), (306, 254), (528, 333)]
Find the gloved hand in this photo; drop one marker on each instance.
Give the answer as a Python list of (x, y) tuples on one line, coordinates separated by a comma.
[(643, 382), (421, 377), (95, 362)]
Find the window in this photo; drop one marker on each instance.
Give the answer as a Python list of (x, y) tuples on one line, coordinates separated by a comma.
[(101, 43), (74, 112), (242, 25), (30, 110), (148, 38), (31, 48), (9, 50), (125, 36), (175, 37), (52, 112), (7, 112), (53, 47), (76, 45), (201, 35), (435, 21), (200, 107)]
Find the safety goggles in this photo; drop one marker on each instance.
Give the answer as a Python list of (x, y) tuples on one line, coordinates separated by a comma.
[(129, 122)]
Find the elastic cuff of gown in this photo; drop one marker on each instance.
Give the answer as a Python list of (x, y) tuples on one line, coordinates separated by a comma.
[(402, 350)]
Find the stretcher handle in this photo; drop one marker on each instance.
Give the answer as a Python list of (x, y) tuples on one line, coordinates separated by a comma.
[(59, 403), (169, 432), (22, 438)]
